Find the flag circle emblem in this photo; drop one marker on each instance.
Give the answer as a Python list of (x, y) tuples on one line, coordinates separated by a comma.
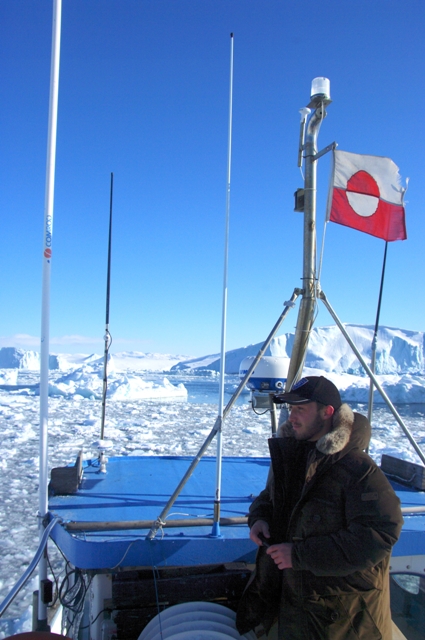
[(47, 253), (363, 194)]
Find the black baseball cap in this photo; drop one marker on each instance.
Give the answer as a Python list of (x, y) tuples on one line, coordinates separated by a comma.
[(311, 389)]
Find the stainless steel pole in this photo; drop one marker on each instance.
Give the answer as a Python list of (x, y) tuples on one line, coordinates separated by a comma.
[(308, 302)]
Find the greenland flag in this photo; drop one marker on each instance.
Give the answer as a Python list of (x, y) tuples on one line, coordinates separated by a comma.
[(366, 194)]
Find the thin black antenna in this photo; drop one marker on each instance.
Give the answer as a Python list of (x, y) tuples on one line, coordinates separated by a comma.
[(108, 337), (375, 336)]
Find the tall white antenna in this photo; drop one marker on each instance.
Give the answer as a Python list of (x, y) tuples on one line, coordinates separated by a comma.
[(45, 310), (216, 525)]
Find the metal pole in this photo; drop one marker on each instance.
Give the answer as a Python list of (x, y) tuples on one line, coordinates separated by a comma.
[(307, 305), (217, 500), (375, 336), (123, 525), (45, 313), (372, 377), (107, 334), (273, 415), (288, 306)]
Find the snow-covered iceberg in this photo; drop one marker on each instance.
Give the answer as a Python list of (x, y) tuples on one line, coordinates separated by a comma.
[(400, 366), (398, 351), (400, 362), (12, 358), (87, 381), (9, 376)]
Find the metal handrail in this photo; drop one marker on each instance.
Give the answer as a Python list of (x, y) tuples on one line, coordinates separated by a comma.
[(123, 525), (34, 562)]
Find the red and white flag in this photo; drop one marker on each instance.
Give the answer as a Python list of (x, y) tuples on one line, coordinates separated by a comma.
[(366, 194)]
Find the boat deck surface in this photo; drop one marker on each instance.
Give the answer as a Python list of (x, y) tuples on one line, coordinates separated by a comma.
[(138, 488)]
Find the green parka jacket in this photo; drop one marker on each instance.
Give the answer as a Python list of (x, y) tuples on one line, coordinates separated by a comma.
[(342, 529)]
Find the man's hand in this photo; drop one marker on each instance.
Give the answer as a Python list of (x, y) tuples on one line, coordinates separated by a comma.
[(281, 554), (259, 527)]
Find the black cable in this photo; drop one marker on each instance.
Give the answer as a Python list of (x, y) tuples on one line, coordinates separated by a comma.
[(257, 413), (94, 620), (79, 589)]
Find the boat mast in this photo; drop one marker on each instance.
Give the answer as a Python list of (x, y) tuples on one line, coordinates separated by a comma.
[(45, 312), (320, 98), (217, 500)]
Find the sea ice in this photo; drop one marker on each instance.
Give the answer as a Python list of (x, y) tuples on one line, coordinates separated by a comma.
[(141, 425)]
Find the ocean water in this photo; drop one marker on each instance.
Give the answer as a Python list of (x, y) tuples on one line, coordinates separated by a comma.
[(135, 428)]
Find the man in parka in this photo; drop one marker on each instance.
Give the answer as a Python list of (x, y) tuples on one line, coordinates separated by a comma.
[(325, 525)]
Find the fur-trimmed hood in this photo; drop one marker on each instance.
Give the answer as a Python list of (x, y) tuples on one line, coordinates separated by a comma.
[(349, 430)]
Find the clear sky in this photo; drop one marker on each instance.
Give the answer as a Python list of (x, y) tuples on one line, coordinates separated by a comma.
[(144, 93)]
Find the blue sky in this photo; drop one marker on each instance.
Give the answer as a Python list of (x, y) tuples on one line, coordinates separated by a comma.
[(144, 93)]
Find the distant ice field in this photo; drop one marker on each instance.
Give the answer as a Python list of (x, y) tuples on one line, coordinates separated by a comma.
[(139, 427)]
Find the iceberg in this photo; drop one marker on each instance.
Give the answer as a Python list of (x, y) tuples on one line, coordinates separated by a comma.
[(398, 351), (87, 381), (400, 366)]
